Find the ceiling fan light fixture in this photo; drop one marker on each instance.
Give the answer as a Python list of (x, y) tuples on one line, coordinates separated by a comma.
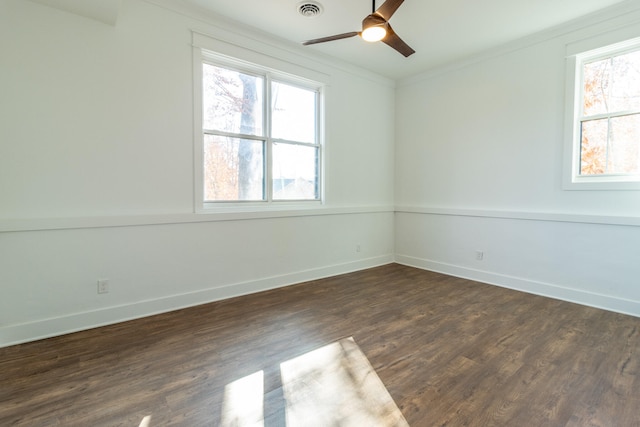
[(375, 27), (374, 33)]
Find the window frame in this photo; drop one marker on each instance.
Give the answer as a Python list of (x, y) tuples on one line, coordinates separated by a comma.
[(203, 56), (577, 56)]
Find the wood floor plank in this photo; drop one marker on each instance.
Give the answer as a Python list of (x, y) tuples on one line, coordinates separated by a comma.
[(451, 352)]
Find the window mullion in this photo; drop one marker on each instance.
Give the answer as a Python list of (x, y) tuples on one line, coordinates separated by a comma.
[(608, 149), (233, 135), (286, 141), (268, 138), (609, 115), (319, 142)]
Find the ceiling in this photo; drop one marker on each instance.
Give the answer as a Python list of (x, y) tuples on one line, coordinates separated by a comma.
[(441, 31)]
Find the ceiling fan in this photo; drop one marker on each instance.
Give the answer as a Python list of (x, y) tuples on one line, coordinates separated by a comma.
[(375, 27)]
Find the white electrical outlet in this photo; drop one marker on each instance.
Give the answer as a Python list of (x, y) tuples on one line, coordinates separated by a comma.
[(103, 286), (479, 255), (358, 247)]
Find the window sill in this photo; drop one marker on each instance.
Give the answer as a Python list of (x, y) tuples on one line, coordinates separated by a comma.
[(601, 184), (257, 207)]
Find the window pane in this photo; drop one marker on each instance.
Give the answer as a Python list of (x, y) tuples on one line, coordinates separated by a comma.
[(612, 84), (625, 82), (623, 146), (593, 149), (233, 169), (597, 78), (232, 101), (293, 113), (611, 146), (295, 172)]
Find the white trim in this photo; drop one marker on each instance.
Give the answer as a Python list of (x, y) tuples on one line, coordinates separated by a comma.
[(570, 160), (208, 50), (239, 34), (16, 334), (232, 54), (41, 224), (604, 183), (577, 54), (198, 134), (624, 37), (520, 215), (104, 11), (605, 302)]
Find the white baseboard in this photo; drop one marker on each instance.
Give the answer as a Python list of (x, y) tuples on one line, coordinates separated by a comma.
[(605, 302), (16, 334)]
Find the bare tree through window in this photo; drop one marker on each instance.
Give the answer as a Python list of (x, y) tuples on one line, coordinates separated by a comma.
[(610, 123), (248, 138)]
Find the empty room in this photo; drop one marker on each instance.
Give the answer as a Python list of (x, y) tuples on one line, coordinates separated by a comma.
[(319, 213)]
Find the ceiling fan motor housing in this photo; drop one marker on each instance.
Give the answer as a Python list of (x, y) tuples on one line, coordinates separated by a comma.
[(373, 20)]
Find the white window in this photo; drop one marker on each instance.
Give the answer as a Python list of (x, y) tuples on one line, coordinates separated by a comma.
[(604, 116), (261, 136)]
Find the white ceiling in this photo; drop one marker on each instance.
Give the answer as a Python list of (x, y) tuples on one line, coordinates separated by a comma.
[(441, 31)]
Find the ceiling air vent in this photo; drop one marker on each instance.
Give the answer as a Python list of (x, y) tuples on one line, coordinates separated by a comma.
[(310, 9)]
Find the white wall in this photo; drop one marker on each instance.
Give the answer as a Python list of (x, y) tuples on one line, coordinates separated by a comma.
[(479, 160), (96, 174)]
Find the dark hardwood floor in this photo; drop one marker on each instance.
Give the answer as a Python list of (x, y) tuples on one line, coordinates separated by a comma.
[(451, 352)]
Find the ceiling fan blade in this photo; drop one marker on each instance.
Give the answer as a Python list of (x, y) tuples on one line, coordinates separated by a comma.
[(331, 38), (393, 40), (388, 8)]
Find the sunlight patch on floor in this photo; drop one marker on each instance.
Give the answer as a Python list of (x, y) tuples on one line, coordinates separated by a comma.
[(333, 385), (243, 402), (336, 385), (146, 421)]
